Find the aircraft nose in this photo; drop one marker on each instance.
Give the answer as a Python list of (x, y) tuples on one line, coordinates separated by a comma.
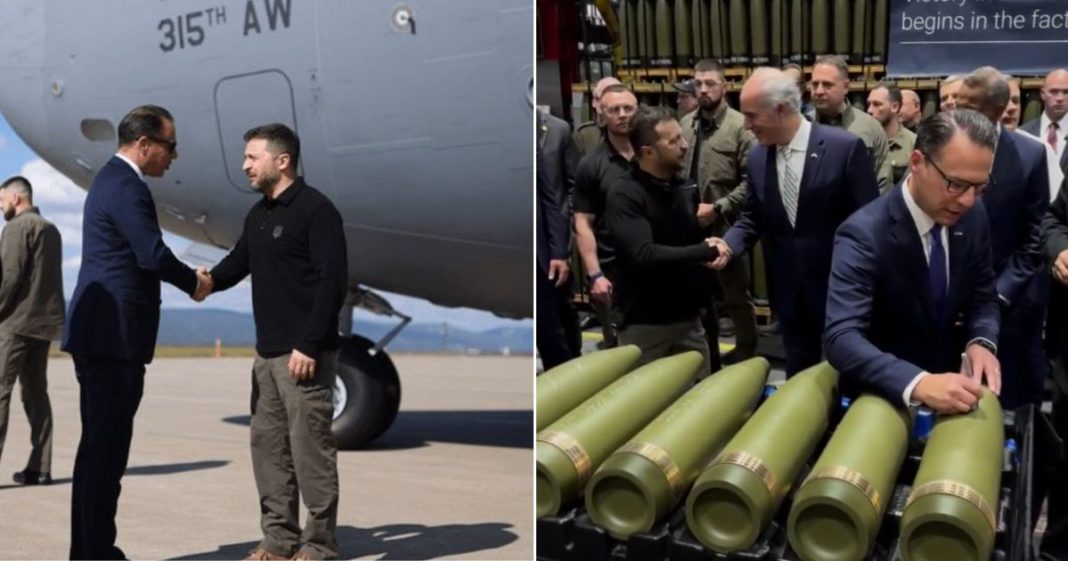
[(22, 51)]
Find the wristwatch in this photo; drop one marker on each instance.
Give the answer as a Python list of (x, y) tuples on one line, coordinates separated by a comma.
[(590, 279), (986, 345)]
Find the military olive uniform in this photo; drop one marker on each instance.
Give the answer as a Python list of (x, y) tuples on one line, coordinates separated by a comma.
[(899, 149), (871, 132), (587, 136), (716, 161)]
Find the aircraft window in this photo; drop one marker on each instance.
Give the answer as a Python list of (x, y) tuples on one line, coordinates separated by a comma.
[(98, 129)]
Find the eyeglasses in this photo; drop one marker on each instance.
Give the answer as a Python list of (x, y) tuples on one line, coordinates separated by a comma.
[(171, 145), (957, 187)]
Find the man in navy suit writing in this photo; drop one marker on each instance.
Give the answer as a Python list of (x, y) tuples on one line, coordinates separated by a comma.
[(804, 180), (911, 267), (113, 318)]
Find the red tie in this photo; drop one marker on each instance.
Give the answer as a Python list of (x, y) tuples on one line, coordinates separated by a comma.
[(1051, 136)]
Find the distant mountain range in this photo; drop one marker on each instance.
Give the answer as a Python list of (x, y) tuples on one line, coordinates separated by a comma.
[(185, 328)]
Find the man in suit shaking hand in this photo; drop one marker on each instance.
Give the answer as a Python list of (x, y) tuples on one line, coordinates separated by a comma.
[(804, 180), (113, 318), (912, 266)]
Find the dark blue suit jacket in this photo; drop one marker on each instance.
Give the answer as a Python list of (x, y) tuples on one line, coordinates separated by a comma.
[(880, 330), (552, 227), (114, 312), (837, 180), (1015, 204)]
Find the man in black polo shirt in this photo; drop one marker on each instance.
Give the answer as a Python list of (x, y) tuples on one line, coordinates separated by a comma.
[(662, 279), (596, 173), (293, 244)]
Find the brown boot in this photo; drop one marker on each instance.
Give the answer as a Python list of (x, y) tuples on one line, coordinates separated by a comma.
[(261, 554)]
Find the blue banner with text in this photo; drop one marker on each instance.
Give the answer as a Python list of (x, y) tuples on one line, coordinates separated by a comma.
[(940, 37)]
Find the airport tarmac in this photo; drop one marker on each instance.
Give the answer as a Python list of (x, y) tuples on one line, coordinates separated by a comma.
[(451, 478)]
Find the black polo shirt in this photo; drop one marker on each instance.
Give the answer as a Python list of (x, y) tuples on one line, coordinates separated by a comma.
[(294, 247), (661, 277), (596, 173)]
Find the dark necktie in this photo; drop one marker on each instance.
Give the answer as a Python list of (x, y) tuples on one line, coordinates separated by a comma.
[(936, 273)]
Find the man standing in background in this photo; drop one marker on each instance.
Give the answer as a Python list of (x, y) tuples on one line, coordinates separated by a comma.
[(31, 316)]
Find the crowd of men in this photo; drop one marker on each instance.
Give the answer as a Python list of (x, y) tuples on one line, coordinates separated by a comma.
[(920, 256)]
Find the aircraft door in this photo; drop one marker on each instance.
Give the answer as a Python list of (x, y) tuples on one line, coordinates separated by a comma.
[(245, 101)]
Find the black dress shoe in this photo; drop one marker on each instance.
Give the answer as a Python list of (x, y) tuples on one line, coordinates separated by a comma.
[(27, 477)]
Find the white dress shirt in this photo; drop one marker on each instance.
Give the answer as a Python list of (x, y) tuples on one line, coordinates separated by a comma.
[(1062, 132), (140, 173), (798, 148)]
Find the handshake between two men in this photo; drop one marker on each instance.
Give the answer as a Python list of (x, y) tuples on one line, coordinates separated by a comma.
[(205, 284)]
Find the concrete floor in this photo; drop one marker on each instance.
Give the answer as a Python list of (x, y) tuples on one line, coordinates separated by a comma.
[(450, 479)]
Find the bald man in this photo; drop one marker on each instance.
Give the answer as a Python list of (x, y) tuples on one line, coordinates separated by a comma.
[(589, 134), (1052, 126), (911, 112)]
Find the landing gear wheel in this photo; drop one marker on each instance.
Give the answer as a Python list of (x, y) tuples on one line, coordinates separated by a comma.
[(366, 394)]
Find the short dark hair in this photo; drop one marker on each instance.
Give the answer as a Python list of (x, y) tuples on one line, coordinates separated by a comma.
[(20, 184), (892, 91), (146, 120), (280, 139), (708, 65), (835, 61), (643, 125), (938, 129)]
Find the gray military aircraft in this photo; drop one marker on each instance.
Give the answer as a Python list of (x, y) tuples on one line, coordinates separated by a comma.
[(415, 117)]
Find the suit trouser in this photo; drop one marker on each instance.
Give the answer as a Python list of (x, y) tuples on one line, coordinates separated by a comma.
[(1023, 361), (294, 455), (570, 320), (659, 341), (1054, 544), (551, 335), (26, 359), (710, 323), (110, 392), (734, 280), (802, 336)]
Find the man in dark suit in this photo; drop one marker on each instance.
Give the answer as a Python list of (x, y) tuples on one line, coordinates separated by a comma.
[(1052, 126), (1051, 479), (804, 180), (561, 161), (552, 271), (910, 265), (1015, 204), (113, 319)]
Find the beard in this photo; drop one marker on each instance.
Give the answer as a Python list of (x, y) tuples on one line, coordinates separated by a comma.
[(707, 104), (266, 181)]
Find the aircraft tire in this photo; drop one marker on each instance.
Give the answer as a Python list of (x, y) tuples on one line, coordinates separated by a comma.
[(366, 394)]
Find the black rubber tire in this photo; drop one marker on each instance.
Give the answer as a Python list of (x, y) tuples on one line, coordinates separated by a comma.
[(374, 393)]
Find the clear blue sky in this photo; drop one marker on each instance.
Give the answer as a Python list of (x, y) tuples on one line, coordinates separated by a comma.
[(60, 200)]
